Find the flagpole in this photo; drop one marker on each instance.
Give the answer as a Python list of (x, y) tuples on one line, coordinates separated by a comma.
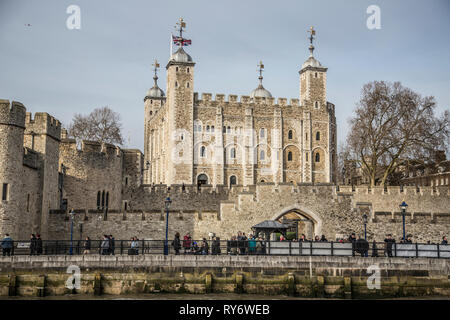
[(171, 40)]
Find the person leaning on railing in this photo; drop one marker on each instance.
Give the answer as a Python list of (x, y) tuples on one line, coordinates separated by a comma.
[(7, 244)]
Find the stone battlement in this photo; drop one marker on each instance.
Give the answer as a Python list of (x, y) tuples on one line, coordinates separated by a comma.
[(43, 123), (206, 100), (91, 147), (12, 113)]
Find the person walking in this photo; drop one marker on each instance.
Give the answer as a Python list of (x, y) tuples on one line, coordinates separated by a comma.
[(388, 244), (187, 240), (176, 243), (38, 244), (112, 244), (7, 244), (32, 244), (87, 246), (105, 245)]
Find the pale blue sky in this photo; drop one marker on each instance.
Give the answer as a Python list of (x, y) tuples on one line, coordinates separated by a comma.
[(108, 62)]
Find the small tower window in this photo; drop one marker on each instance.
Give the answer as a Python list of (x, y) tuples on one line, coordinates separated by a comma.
[(262, 133), (307, 156), (290, 135), (232, 180), (317, 135), (316, 104), (187, 70), (207, 128), (289, 156), (187, 84), (317, 157), (233, 153), (212, 129), (315, 75), (228, 129), (176, 84), (262, 156), (203, 152), (151, 101), (224, 129), (176, 69), (98, 199)]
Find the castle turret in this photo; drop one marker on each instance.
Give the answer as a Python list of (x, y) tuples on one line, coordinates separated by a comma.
[(180, 116), (12, 126), (153, 101), (317, 134)]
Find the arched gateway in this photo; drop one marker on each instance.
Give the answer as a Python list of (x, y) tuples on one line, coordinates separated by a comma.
[(302, 220)]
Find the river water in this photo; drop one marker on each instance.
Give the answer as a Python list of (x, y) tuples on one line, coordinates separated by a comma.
[(162, 296)]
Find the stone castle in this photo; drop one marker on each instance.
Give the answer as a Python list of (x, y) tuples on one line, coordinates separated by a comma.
[(226, 164)]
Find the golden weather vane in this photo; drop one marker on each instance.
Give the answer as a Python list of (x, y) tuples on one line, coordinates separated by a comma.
[(312, 33)]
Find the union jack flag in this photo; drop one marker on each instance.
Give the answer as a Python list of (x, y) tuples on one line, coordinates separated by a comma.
[(180, 41)]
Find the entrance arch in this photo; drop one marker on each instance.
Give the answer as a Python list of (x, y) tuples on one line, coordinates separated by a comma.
[(202, 179), (309, 222)]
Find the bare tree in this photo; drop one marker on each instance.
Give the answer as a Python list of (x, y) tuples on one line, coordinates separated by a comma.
[(102, 125), (392, 126)]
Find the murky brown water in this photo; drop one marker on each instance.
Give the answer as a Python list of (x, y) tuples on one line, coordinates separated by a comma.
[(162, 296)]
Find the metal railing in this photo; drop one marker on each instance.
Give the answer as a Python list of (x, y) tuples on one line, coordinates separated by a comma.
[(233, 247)]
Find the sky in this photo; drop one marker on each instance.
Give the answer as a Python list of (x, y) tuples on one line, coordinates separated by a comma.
[(107, 62)]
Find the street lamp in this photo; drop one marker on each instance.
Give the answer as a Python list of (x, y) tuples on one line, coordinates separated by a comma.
[(365, 224), (167, 203), (403, 206), (72, 216)]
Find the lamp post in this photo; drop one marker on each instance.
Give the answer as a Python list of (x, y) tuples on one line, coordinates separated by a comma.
[(403, 206), (167, 203), (72, 216), (365, 226)]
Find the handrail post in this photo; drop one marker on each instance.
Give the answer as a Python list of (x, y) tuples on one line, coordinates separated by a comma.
[(143, 246), (332, 251), (417, 250), (290, 249), (121, 247), (438, 252), (395, 249)]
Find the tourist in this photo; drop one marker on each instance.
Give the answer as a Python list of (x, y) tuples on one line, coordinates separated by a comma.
[(323, 239), (7, 244), (259, 245), (361, 246), (251, 245), (187, 242), (303, 238), (240, 242), (388, 245), (38, 244), (205, 247), (374, 249), (408, 239), (112, 244), (233, 245), (316, 239), (87, 246), (245, 241), (105, 245), (32, 244), (195, 248), (282, 238), (176, 243), (352, 237), (215, 248), (444, 240)]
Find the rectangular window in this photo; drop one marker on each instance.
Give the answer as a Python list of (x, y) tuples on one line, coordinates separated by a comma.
[(28, 202), (5, 192)]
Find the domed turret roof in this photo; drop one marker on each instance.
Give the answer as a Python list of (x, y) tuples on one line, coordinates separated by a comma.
[(155, 91), (180, 56), (260, 92), (311, 62)]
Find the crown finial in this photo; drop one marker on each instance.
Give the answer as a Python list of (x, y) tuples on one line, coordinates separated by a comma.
[(155, 69), (312, 33)]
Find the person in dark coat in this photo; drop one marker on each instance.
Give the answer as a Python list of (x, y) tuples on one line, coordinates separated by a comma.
[(388, 244), (38, 244), (361, 246), (87, 246), (112, 244), (176, 243), (32, 245), (205, 247), (323, 239), (374, 249), (444, 240)]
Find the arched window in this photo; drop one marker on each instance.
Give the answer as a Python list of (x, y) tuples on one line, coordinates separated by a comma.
[(317, 157), (318, 135), (315, 75), (232, 180), (212, 129), (290, 135), (203, 152), (187, 70), (107, 199), (262, 155), (306, 137), (228, 129), (289, 156), (224, 129), (316, 105), (233, 153), (103, 198), (187, 85), (126, 181), (176, 84), (307, 156), (262, 133), (176, 69), (207, 128)]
